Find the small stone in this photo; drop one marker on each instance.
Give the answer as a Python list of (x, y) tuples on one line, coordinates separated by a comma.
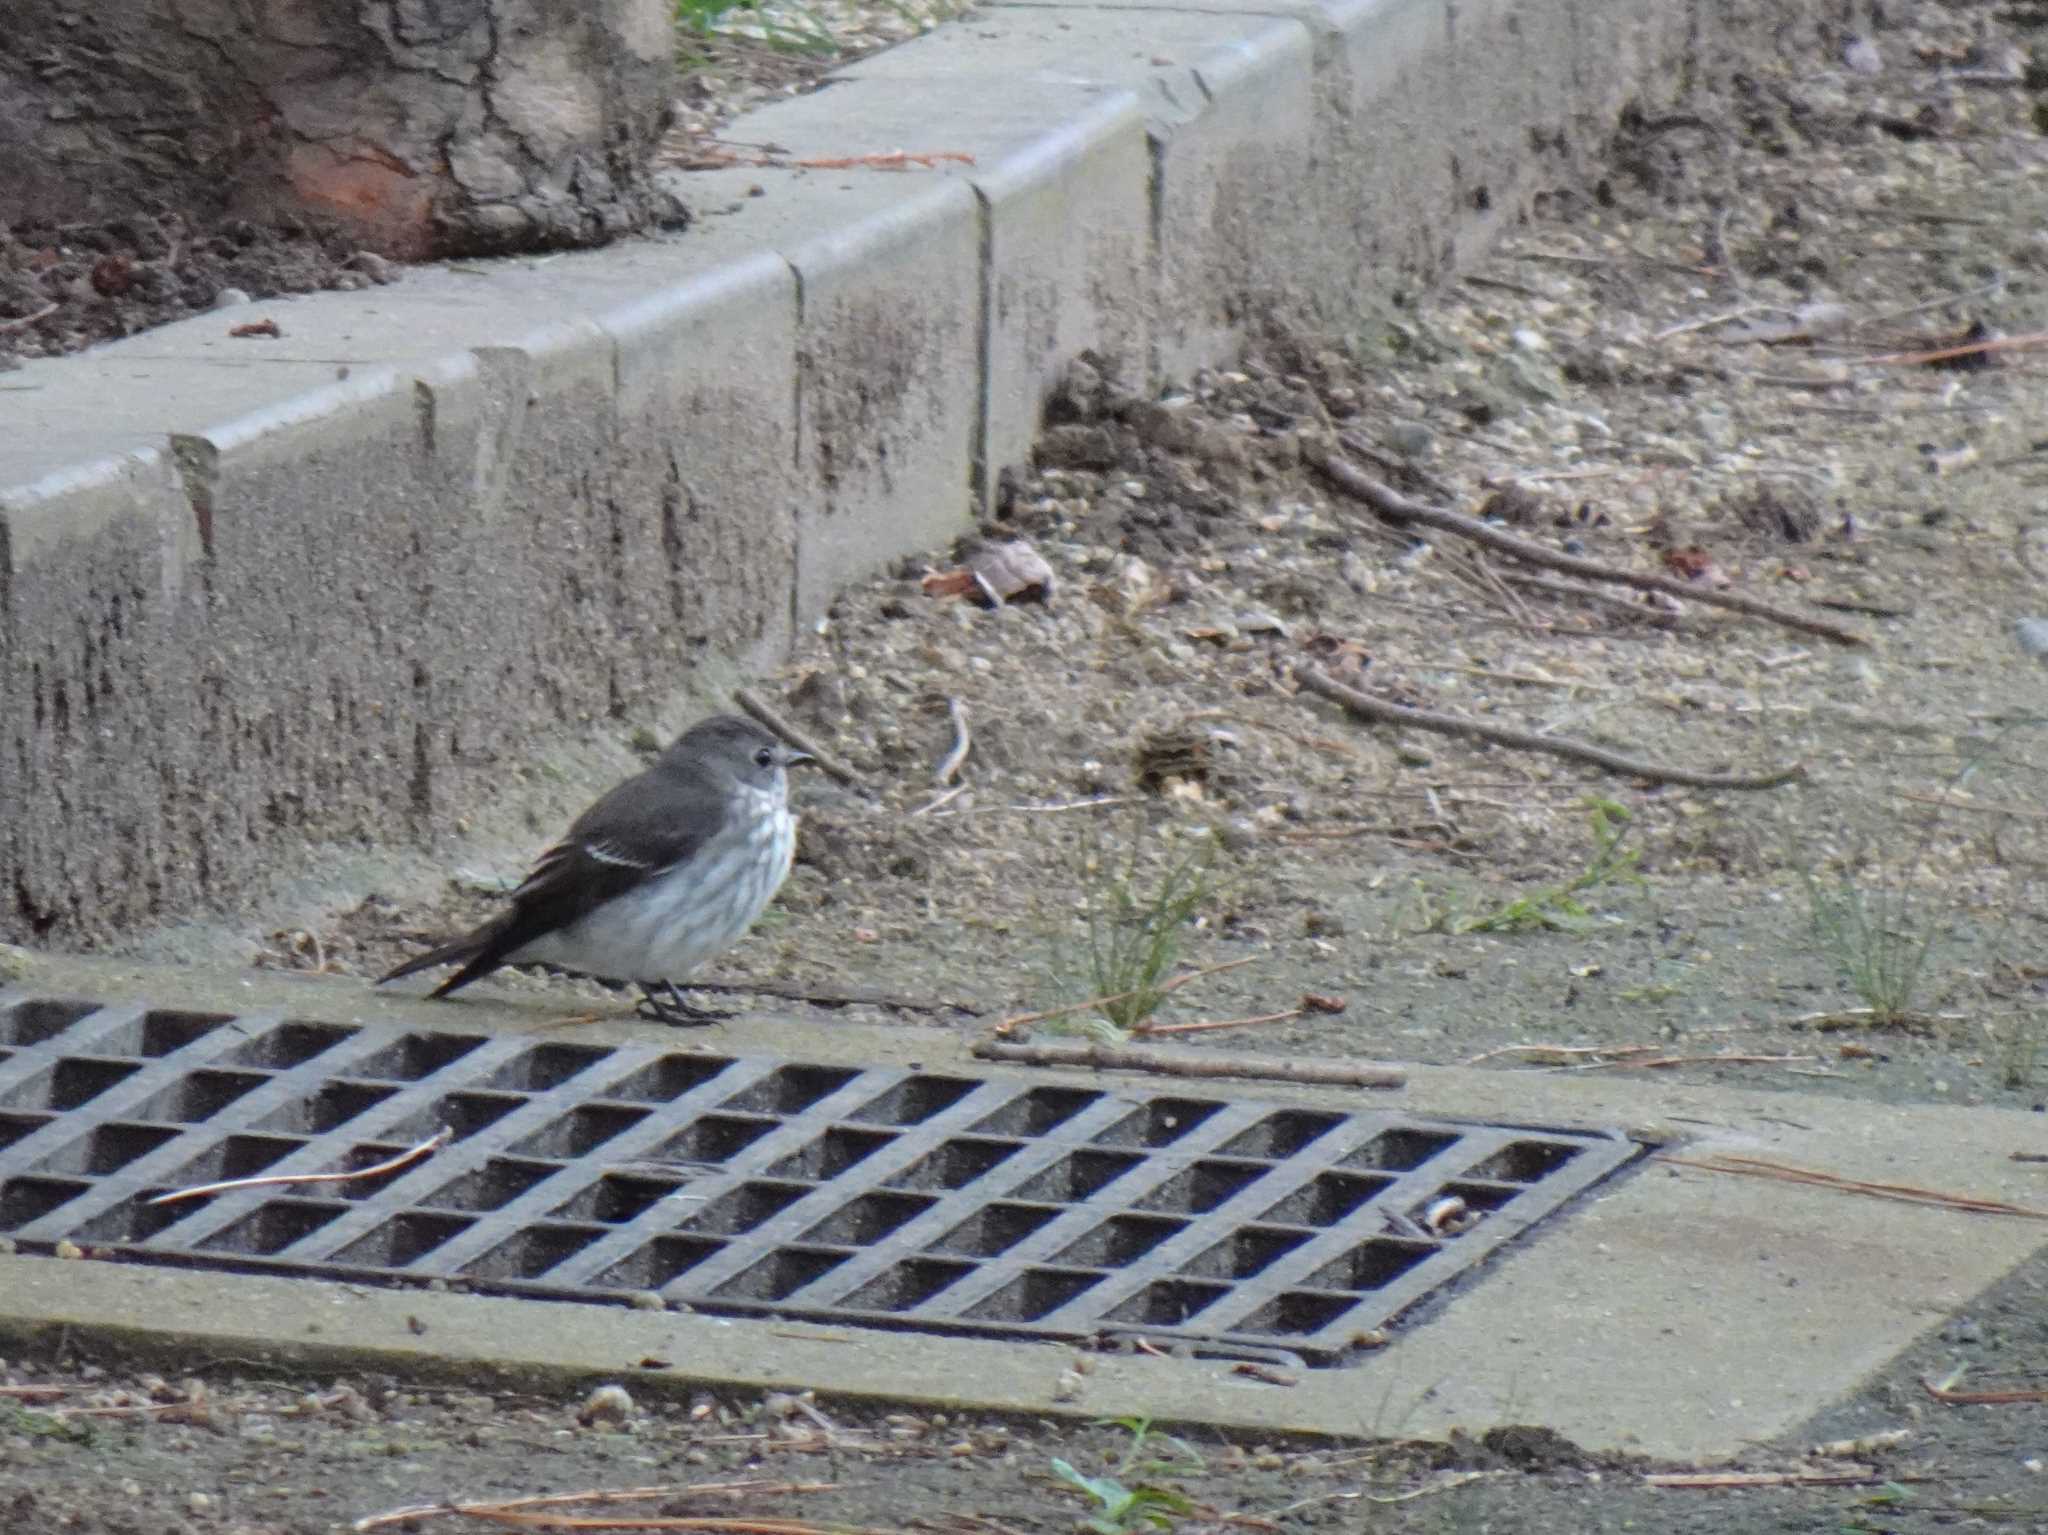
[(607, 1404), (373, 266), (647, 1300), (200, 1503), (228, 298)]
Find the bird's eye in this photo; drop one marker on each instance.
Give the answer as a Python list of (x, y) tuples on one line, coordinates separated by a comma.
[(765, 757)]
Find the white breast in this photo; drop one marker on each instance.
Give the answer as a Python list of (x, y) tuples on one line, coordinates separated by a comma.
[(665, 928)]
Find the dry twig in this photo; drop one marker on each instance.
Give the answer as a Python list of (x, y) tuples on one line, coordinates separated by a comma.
[(957, 753), (2004, 1398), (21, 322), (1208, 1025), (1367, 707), (753, 704), (405, 1158), (1634, 612), (520, 1511), (1990, 345), (1728, 1059), (1710, 1479), (1904, 1193), (1394, 507), (1161, 1063)]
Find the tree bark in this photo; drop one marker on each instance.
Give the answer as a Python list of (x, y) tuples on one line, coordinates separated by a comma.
[(420, 128)]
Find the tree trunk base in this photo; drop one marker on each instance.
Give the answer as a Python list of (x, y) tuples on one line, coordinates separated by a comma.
[(413, 128)]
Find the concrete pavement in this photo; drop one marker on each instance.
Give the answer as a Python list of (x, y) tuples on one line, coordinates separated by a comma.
[(1673, 1312)]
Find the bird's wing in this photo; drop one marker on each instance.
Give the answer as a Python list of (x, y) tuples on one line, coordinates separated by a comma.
[(643, 828)]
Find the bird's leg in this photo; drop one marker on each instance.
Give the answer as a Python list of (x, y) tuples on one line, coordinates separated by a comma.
[(665, 1004)]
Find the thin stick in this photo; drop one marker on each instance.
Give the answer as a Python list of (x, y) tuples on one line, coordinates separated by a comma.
[(751, 701), (1161, 1063), (1010, 1025), (1530, 679), (406, 1158), (1379, 712), (1950, 802), (1204, 1025), (22, 322), (1394, 507), (34, 1393), (1728, 317), (1699, 1060), (1708, 1479), (1983, 1398), (558, 1499), (1867, 1018), (890, 160), (1904, 1193), (1661, 618), (1562, 1050), (1943, 302), (942, 800), (950, 763), (1053, 809), (2025, 343)]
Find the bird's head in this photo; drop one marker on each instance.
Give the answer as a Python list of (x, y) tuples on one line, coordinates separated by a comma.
[(734, 750)]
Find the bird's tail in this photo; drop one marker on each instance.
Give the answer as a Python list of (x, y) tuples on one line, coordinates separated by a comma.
[(455, 952), (478, 953)]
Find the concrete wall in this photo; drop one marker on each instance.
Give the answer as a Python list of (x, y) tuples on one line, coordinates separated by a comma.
[(259, 598)]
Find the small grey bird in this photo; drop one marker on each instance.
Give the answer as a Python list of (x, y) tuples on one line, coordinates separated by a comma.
[(663, 872)]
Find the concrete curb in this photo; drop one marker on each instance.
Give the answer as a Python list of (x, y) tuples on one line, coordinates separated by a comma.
[(259, 597)]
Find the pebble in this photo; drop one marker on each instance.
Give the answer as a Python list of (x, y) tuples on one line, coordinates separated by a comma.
[(607, 1404), (228, 298)]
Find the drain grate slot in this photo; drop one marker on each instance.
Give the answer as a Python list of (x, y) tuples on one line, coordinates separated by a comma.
[(750, 1185)]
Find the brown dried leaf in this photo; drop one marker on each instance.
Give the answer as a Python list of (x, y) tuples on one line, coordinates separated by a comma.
[(948, 583)]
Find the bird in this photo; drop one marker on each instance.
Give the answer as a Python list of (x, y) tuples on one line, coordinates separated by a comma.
[(661, 873)]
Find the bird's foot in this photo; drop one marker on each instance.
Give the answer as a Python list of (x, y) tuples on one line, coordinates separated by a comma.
[(665, 1004)]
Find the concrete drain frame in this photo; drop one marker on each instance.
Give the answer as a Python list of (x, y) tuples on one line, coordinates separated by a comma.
[(744, 1184)]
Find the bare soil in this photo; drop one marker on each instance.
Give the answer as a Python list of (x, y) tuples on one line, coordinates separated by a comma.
[(1700, 365), (64, 287)]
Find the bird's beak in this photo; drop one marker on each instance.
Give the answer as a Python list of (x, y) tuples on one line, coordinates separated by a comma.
[(791, 756)]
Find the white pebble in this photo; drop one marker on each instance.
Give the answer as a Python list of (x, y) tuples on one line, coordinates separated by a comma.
[(607, 1404)]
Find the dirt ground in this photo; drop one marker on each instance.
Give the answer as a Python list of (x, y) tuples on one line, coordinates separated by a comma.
[(1707, 364)]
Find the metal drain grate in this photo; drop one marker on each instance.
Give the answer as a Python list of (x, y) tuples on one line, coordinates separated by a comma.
[(752, 1185)]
